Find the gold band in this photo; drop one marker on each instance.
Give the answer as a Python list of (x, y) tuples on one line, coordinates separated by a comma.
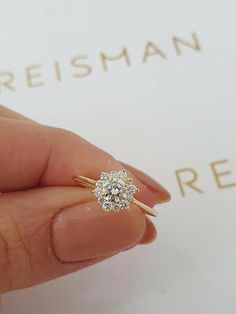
[(90, 183)]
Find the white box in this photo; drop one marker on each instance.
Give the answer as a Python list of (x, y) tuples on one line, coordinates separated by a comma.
[(175, 103)]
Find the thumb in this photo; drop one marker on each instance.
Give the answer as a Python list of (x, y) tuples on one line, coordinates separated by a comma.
[(51, 231)]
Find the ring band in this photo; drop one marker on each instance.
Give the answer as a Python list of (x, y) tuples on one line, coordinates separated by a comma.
[(114, 191)]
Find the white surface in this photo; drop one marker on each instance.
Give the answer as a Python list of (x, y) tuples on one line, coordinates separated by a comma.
[(173, 113)]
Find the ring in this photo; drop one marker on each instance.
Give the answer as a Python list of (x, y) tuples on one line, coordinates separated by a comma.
[(114, 191)]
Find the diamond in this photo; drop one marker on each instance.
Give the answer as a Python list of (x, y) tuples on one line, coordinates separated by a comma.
[(114, 190)]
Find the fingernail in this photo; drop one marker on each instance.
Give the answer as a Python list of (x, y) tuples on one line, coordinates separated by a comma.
[(150, 233), (85, 231), (150, 183)]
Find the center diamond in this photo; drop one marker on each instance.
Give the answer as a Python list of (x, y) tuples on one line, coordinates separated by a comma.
[(114, 190)]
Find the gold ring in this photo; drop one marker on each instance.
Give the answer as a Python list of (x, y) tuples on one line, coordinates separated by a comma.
[(114, 191)]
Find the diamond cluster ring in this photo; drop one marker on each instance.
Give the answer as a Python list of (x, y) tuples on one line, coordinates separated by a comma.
[(114, 191)]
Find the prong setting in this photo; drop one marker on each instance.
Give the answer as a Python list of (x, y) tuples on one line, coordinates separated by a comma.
[(115, 190)]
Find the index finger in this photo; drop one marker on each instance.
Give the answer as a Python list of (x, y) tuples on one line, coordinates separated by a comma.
[(35, 155)]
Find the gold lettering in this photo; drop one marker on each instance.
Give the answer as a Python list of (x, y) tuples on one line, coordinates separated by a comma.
[(57, 71), (32, 74), (189, 183), (152, 50), (122, 54), (6, 81), (195, 45), (75, 62), (217, 175)]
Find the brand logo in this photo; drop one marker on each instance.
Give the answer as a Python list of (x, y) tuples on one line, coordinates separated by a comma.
[(190, 181), (81, 65)]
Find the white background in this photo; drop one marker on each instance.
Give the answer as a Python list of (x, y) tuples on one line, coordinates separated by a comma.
[(159, 116)]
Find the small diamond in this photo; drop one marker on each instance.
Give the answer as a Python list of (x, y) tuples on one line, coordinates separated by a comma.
[(114, 190), (104, 176)]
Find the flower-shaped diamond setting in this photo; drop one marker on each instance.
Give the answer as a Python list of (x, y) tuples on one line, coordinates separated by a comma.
[(114, 190)]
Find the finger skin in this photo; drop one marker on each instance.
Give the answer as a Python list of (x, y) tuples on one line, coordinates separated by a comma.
[(32, 250), (158, 193), (150, 232), (36, 155), (39, 156), (45, 142), (162, 193)]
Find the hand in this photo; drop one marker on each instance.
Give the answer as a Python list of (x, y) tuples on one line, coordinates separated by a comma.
[(49, 226)]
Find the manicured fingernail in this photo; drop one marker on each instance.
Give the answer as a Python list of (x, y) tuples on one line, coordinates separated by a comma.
[(85, 231), (150, 183), (150, 233)]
